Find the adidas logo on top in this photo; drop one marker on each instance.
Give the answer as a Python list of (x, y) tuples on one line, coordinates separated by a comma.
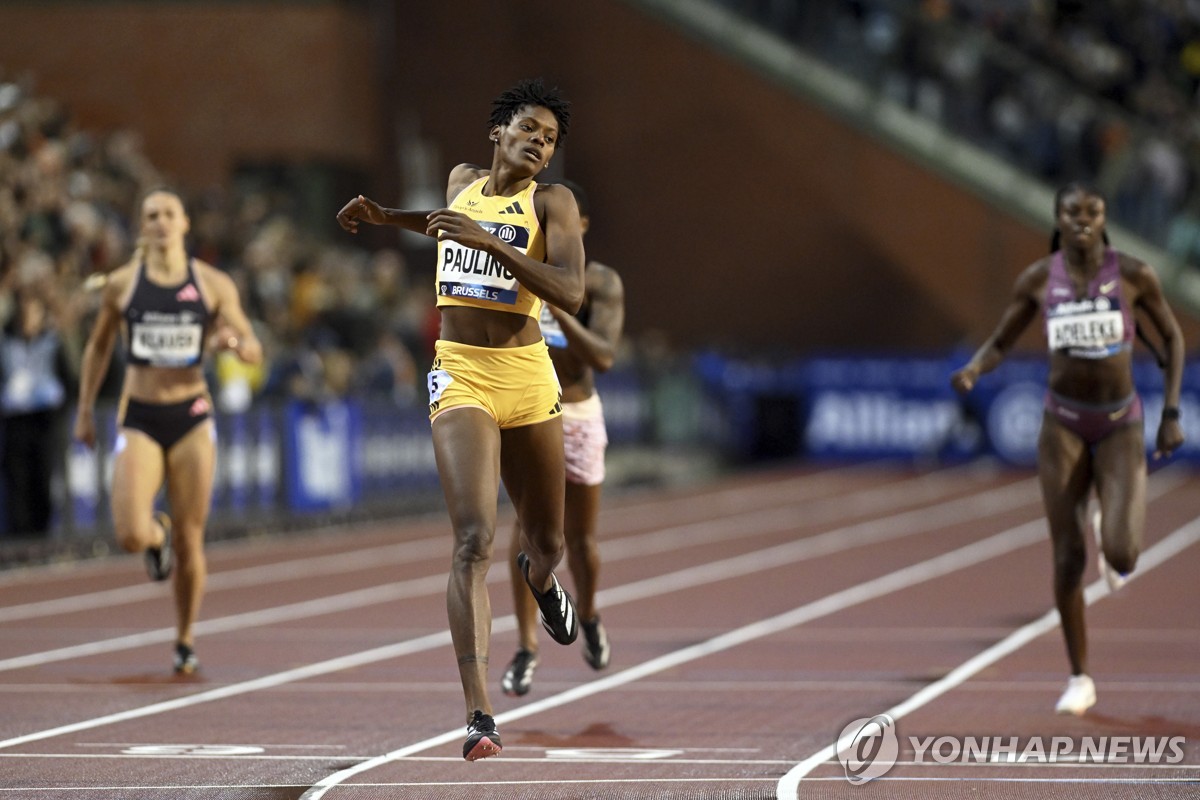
[(515, 208), (187, 294)]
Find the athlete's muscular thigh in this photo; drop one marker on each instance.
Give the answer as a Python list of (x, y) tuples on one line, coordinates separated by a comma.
[(138, 471), (1065, 474), (191, 464), (1120, 465), (466, 443)]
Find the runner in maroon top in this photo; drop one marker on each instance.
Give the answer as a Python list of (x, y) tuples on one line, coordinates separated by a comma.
[(1092, 431)]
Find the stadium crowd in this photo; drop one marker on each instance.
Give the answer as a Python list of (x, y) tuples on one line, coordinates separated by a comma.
[(335, 321), (1104, 92)]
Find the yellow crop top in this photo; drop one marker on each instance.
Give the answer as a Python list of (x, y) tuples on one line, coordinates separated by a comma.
[(470, 277)]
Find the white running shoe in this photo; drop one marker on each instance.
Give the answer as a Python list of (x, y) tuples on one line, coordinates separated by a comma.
[(1079, 696), (1114, 579)]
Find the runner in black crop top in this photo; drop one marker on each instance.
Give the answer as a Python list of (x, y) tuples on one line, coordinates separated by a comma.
[(167, 304), (166, 325), (1092, 434)]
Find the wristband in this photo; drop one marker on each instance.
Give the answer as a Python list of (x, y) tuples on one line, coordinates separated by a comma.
[(1171, 412)]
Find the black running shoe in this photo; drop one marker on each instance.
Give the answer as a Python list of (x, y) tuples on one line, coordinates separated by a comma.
[(483, 740), (518, 678), (595, 643), (159, 559), (557, 607), (185, 659)]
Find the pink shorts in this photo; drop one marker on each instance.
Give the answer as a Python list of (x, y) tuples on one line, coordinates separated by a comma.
[(584, 441)]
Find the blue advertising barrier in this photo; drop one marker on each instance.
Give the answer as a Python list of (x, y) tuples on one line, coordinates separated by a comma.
[(286, 462), (865, 408), (879, 408), (301, 458), (322, 455), (1010, 402), (626, 405), (294, 459)]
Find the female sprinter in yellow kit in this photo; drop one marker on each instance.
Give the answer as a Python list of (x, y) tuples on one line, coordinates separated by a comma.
[(505, 244)]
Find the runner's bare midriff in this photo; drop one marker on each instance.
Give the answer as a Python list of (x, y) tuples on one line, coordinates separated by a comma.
[(1106, 380), (164, 384), (483, 327)]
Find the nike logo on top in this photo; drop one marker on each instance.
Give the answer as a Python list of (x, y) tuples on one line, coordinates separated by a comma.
[(515, 208), (1105, 288)]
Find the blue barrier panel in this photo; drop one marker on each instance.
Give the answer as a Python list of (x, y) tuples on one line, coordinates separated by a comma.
[(322, 446), (1011, 400), (248, 462), (89, 472), (882, 408), (903, 407), (397, 451), (626, 405), (749, 396), (232, 483)]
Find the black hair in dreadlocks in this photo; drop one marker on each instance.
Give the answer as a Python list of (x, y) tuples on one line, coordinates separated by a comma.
[(531, 92)]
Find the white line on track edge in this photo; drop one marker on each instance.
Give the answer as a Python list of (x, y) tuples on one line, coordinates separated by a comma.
[(1171, 545), (870, 531), (991, 547)]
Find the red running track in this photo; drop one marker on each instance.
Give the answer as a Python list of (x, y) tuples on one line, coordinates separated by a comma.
[(752, 620)]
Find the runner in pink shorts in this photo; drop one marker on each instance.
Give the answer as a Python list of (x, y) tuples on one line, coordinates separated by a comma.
[(585, 439), (579, 346)]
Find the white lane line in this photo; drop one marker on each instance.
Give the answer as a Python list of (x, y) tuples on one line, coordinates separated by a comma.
[(996, 779), (726, 504), (975, 553), (666, 540), (1000, 543), (1173, 544), (692, 781), (643, 512), (417, 645), (343, 757), (671, 687), (347, 601), (296, 569)]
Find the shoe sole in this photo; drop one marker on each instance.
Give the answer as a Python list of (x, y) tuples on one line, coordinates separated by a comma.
[(1077, 708), (1074, 712), (484, 748), (596, 662), (508, 682)]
